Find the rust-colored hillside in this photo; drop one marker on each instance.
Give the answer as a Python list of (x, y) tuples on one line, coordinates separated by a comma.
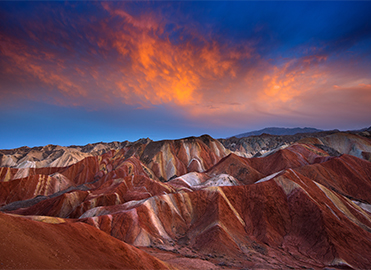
[(189, 203)]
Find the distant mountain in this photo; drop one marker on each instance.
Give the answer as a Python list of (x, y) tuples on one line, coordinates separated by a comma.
[(368, 129), (278, 131)]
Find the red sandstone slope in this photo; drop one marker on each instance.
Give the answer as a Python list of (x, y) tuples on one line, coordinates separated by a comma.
[(165, 158), (27, 244), (294, 156), (238, 167), (288, 220), (347, 175), (113, 192), (31, 187), (168, 159), (295, 207)]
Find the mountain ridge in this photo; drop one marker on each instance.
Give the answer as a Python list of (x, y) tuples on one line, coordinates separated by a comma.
[(259, 202), (278, 131)]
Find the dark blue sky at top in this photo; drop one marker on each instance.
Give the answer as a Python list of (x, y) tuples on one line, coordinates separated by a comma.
[(278, 30), (278, 27)]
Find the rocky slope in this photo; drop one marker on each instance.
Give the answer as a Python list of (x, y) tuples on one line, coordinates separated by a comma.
[(28, 244), (334, 141), (193, 203), (55, 155)]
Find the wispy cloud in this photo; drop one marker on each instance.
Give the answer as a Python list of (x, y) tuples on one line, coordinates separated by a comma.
[(118, 56)]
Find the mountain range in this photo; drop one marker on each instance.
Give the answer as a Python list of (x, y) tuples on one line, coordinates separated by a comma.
[(278, 131), (260, 202)]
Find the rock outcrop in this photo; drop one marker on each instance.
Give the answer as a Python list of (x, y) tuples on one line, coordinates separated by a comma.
[(195, 204)]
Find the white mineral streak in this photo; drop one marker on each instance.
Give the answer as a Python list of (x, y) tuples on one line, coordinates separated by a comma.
[(22, 173), (192, 178), (142, 239), (173, 206), (341, 206), (169, 160), (220, 180), (155, 221), (364, 206), (214, 148), (237, 215), (269, 177), (286, 184), (8, 161), (94, 212)]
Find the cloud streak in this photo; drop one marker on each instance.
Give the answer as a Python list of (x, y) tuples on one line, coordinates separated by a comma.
[(130, 54)]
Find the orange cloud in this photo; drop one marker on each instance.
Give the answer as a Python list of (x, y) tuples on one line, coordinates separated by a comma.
[(150, 68), (288, 82), (164, 72), (133, 60), (41, 65)]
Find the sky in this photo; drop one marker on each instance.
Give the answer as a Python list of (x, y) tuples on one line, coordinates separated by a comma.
[(73, 73)]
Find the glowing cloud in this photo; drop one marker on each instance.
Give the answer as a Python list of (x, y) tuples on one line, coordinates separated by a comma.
[(163, 71), (121, 55)]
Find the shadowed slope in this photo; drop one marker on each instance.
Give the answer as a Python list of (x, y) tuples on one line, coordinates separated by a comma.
[(238, 167), (294, 156), (326, 225), (347, 175), (27, 244), (350, 144), (113, 192)]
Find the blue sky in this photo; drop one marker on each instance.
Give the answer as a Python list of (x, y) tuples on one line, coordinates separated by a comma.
[(83, 72)]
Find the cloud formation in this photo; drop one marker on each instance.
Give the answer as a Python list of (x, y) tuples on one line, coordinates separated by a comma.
[(147, 55)]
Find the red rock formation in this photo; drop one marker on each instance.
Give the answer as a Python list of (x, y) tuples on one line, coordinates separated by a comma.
[(347, 175), (60, 206), (27, 244), (294, 156), (31, 187), (7, 174), (238, 167), (289, 212), (299, 206), (168, 159)]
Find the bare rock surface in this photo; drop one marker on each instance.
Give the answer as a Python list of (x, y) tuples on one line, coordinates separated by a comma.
[(193, 203), (28, 244)]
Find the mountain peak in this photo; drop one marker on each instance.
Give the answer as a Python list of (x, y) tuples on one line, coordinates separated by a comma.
[(278, 131)]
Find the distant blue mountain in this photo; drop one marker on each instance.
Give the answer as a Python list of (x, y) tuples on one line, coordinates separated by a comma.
[(279, 131)]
